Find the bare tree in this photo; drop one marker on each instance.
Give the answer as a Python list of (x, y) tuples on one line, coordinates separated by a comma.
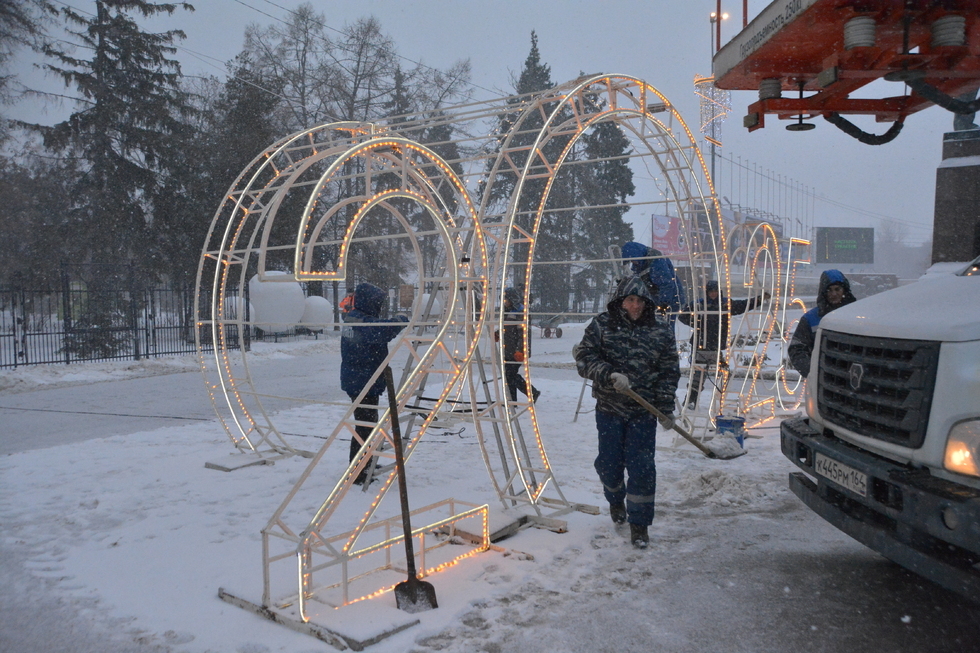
[(347, 74)]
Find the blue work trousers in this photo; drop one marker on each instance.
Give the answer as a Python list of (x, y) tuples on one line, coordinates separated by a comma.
[(627, 448)]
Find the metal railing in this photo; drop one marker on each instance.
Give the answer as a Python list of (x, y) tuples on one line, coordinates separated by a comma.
[(74, 324)]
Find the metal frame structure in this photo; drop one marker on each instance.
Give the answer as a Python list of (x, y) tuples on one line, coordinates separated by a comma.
[(301, 206)]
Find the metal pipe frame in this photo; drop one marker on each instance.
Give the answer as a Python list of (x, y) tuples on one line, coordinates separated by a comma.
[(345, 173)]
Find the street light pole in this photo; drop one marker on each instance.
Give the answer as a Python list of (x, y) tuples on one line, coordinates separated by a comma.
[(715, 32)]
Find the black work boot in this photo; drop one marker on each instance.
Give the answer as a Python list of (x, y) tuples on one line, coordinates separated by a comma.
[(618, 512), (639, 536), (692, 400)]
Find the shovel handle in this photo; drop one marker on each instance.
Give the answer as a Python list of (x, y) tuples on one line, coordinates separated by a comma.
[(629, 392), (396, 435)]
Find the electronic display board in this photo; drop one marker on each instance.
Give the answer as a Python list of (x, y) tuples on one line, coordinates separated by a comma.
[(844, 245)]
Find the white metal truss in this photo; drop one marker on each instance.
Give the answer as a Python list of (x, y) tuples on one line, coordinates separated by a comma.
[(471, 209)]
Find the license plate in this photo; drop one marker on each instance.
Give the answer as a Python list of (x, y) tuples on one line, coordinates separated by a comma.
[(841, 474)]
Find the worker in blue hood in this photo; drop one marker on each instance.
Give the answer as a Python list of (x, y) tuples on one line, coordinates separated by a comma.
[(833, 292), (657, 271), (363, 349)]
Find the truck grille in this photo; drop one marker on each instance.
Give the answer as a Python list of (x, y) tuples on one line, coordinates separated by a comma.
[(878, 387)]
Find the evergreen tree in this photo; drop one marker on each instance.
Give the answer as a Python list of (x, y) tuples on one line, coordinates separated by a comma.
[(122, 133), (534, 77), (37, 199), (21, 26), (607, 181), (128, 113)]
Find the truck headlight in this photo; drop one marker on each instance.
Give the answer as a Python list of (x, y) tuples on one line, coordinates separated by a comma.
[(963, 448)]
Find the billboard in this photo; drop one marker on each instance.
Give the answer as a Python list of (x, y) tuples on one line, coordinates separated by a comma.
[(844, 245), (666, 235)]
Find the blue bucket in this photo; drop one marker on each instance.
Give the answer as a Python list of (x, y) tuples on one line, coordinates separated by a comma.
[(732, 427)]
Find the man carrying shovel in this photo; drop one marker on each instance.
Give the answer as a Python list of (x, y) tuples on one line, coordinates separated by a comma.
[(627, 349)]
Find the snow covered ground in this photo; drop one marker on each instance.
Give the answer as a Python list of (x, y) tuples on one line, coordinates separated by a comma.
[(120, 543)]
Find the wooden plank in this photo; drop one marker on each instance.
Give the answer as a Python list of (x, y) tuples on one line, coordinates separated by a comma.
[(307, 628), (239, 463), (355, 626)]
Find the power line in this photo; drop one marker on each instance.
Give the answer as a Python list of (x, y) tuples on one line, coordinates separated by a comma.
[(203, 58)]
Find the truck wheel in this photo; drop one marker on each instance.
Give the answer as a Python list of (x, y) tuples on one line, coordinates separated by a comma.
[(558, 332)]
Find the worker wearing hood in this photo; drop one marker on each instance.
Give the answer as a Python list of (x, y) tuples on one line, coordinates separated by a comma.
[(833, 292), (628, 347), (363, 349)]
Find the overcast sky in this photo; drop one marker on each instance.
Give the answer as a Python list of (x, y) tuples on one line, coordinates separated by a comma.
[(665, 42)]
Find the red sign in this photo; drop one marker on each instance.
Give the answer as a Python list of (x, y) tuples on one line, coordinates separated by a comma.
[(666, 235)]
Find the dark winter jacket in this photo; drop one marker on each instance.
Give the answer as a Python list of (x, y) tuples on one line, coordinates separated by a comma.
[(659, 275), (711, 332), (645, 351), (801, 346), (514, 338), (514, 333), (364, 348)]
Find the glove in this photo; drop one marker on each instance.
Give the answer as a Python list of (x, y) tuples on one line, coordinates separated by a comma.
[(496, 336), (667, 421), (519, 356), (620, 382)]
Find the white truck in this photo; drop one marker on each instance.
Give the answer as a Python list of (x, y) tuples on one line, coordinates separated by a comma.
[(890, 446)]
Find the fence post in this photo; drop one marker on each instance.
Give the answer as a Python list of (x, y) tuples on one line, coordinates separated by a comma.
[(21, 332), (150, 318), (66, 312), (134, 313)]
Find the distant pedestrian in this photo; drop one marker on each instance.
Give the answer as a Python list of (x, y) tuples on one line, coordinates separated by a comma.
[(629, 347), (363, 349), (833, 292), (347, 303), (710, 337), (513, 347)]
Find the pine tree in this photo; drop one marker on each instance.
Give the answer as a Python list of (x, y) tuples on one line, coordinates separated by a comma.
[(606, 181), (125, 126), (123, 130), (21, 26), (535, 77)]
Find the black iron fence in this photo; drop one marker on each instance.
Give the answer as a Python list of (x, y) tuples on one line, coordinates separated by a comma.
[(77, 323)]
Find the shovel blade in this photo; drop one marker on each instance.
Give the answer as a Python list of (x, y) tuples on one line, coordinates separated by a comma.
[(414, 595), (724, 448)]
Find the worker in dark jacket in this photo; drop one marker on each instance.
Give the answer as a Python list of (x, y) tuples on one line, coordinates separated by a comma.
[(833, 292), (363, 349), (658, 272), (710, 336), (628, 347), (514, 352)]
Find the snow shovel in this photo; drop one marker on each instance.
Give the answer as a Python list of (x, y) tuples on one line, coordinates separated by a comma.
[(412, 595), (720, 448)]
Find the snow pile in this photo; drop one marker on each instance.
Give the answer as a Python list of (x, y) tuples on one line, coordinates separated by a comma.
[(721, 488), (24, 379), (279, 305)]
